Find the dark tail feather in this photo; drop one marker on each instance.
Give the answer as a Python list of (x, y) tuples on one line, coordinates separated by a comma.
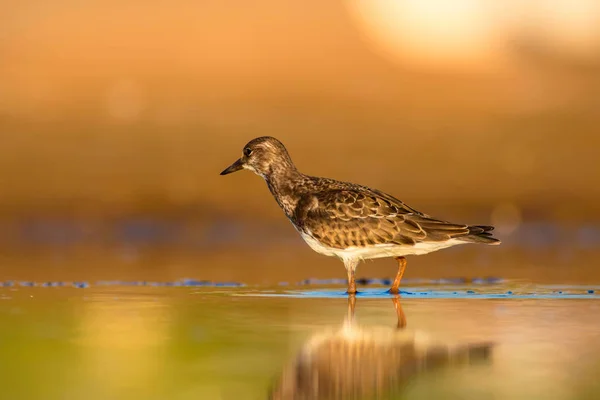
[(480, 234)]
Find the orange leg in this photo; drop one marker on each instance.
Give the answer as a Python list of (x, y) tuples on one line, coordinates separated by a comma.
[(351, 281), (401, 267), (399, 312)]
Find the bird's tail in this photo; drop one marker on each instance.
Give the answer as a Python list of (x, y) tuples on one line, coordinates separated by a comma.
[(480, 234)]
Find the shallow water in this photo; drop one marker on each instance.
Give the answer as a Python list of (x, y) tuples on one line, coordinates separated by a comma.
[(125, 342)]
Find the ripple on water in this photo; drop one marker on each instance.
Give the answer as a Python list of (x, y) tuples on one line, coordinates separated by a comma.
[(455, 288), (450, 292)]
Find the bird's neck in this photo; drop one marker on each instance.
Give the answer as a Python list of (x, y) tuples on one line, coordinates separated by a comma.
[(284, 184)]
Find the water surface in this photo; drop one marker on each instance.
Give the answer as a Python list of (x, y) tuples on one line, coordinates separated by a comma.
[(123, 342)]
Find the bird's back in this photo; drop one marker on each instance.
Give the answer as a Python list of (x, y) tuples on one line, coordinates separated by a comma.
[(341, 214)]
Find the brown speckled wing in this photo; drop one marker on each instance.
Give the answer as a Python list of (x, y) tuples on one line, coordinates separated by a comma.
[(364, 217)]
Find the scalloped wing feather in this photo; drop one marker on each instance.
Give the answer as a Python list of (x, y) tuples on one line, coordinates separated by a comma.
[(358, 218)]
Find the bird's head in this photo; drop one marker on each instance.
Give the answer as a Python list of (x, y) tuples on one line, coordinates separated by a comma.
[(263, 156)]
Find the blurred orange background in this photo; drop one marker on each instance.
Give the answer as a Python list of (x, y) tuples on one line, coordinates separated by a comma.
[(464, 108)]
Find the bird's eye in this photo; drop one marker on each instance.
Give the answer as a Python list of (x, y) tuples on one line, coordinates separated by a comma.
[(247, 152)]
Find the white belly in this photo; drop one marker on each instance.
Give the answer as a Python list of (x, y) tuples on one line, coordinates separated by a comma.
[(379, 250)]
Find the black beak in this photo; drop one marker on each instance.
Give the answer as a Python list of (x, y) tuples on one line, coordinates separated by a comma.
[(236, 166)]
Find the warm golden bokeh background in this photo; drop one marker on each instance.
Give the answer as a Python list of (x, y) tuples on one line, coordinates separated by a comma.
[(477, 109), (116, 117)]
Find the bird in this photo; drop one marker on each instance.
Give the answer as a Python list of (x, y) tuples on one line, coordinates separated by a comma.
[(349, 221)]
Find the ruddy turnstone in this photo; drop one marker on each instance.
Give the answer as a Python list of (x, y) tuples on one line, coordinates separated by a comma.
[(350, 221)]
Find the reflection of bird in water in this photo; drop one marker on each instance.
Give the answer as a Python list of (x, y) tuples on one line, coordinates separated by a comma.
[(367, 363)]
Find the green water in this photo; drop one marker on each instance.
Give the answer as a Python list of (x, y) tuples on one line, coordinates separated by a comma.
[(186, 343)]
